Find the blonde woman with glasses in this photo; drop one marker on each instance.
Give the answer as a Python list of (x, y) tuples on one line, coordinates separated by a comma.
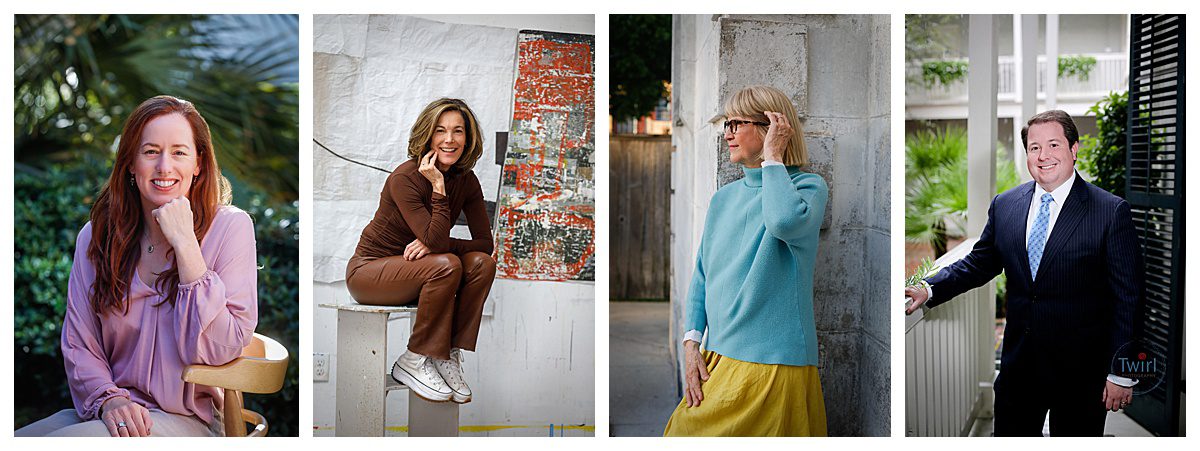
[(752, 289)]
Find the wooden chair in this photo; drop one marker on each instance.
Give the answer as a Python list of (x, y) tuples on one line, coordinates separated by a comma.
[(260, 369)]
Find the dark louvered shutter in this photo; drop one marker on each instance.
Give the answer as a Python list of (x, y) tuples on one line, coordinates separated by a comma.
[(1154, 188)]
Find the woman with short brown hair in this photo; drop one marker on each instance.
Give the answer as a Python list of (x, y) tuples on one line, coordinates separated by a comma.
[(406, 254)]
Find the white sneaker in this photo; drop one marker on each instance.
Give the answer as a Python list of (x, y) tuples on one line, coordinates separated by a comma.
[(419, 374), (452, 372)]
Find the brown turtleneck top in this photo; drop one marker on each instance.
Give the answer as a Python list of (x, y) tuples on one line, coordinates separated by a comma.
[(410, 210)]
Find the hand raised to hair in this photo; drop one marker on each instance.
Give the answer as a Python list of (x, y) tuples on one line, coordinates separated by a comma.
[(779, 134)]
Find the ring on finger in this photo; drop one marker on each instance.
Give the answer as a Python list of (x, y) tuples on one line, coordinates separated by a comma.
[(121, 424)]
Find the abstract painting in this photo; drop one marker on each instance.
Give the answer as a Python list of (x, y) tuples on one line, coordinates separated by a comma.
[(545, 226)]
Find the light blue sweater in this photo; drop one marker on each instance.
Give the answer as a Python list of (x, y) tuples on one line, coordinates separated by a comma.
[(753, 284)]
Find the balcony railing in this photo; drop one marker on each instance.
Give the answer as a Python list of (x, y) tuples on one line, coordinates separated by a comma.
[(1110, 74), (949, 360)]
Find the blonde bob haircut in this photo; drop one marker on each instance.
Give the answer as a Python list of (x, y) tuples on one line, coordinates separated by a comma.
[(752, 101), (421, 137)]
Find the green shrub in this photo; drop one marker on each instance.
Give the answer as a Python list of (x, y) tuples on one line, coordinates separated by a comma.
[(51, 207), (1103, 156), (944, 73), (1079, 66)]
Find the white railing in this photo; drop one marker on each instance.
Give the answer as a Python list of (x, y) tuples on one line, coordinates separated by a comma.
[(1110, 74), (949, 360)]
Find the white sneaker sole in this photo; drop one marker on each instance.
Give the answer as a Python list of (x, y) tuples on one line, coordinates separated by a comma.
[(459, 398), (421, 390)]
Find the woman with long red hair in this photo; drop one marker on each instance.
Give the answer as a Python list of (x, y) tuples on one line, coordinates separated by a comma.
[(164, 277)]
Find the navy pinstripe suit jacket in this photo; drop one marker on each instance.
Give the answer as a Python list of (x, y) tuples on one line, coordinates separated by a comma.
[(1079, 312)]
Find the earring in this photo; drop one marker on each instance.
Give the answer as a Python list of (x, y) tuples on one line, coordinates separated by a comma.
[(132, 183)]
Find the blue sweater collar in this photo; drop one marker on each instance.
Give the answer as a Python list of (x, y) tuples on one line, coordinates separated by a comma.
[(754, 175)]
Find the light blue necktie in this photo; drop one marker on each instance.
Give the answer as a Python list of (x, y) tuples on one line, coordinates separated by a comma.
[(1037, 235)]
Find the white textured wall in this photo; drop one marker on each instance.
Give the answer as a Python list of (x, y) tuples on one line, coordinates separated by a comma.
[(372, 75)]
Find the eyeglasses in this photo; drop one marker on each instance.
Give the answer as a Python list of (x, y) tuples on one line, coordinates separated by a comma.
[(732, 125)]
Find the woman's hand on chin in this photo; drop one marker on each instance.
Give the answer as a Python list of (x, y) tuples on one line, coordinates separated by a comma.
[(779, 134), (125, 418), (428, 168), (175, 220), (695, 373)]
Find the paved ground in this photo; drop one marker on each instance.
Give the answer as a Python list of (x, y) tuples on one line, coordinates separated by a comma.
[(642, 387), (1116, 425)]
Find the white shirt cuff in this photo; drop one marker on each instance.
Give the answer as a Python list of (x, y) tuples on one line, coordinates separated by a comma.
[(772, 163), (1122, 381), (693, 335)]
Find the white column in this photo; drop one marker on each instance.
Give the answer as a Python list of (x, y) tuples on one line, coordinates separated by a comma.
[(1026, 84), (981, 120), (683, 170), (1051, 61)]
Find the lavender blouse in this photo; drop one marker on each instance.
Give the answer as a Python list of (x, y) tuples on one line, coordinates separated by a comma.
[(142, 353)]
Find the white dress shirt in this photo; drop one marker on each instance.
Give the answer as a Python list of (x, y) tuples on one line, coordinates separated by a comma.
[(1060, 197)]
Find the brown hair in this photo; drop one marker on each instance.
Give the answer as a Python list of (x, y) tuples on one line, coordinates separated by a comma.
[(1059, 116), (752, 101), (422, 131), (117, 217)]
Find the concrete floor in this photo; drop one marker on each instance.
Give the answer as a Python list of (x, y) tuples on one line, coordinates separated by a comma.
[(1116, 425), (642, 383)]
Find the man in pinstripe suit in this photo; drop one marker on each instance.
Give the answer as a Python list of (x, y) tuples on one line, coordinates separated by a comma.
[(1074, 271)]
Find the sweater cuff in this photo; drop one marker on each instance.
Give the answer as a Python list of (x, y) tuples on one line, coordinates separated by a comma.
[(693, 335)]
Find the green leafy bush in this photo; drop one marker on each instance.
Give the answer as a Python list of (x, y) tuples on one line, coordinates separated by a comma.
[(1103, 156), (51, 206), (945, 73), (1079, 66)]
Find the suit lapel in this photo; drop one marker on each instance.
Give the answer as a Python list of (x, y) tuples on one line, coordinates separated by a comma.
[(1023, 207), (1070, 215)]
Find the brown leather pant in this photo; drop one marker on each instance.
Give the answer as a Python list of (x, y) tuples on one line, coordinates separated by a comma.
[(449, 291)]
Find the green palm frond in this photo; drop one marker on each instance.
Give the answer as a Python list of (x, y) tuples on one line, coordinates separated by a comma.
[(78, 77), (936, 184)]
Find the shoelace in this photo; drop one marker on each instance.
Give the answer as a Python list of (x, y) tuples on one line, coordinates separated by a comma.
[(428, 369), (454, 367)]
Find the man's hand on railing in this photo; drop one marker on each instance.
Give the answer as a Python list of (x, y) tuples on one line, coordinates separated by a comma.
[(914, 296)]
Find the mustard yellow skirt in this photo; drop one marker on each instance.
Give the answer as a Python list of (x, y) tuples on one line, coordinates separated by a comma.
[(744, 399)]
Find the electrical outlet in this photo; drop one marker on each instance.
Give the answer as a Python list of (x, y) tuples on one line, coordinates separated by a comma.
[(320, 367)]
